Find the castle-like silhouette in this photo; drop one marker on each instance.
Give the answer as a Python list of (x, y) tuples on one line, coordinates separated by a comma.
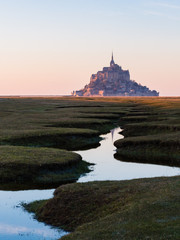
[(114, 81)]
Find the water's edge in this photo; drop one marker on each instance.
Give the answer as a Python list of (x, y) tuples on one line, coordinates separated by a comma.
[(17, 224)]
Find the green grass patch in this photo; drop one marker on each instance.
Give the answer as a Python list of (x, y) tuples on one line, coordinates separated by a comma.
[(152, 132), (164, 140), (136, 209), (64, 138), (152, 128), (39, 165), (149, 154), (55, 122), (159, 149)]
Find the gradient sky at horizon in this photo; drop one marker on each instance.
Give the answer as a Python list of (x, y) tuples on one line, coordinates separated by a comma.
[(51, 47)]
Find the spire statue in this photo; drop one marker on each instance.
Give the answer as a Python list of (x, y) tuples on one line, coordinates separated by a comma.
[(112, 63)]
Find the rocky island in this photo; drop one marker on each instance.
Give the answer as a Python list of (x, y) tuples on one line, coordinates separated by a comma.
[(114, 81)]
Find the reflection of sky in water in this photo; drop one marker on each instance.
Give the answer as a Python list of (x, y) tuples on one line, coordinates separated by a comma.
[(108, 168), (24, 232), (16, 224)]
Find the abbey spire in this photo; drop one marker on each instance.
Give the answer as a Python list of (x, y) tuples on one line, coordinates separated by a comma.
[(112, 57), (112, 63)]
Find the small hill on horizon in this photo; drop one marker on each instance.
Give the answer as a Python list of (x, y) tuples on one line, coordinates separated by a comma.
[(114, 81)]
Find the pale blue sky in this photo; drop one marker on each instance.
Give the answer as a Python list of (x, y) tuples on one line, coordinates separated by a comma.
[(53, 46)]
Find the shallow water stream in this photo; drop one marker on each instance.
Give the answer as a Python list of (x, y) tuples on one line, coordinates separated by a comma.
[(108, 168), (17, 224)]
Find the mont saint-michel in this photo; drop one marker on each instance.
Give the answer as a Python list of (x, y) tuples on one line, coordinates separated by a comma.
[(114, 81)]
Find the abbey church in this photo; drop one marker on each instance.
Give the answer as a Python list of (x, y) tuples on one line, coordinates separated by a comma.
[(114, 81)]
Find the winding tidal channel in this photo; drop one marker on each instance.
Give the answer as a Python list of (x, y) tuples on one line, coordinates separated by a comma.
[(17, 224)]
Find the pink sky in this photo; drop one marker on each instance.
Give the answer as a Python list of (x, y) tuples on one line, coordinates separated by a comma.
[(53, 47)]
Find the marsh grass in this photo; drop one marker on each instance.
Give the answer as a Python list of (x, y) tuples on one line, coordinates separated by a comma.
[(151, 135), (29, 122), (153, 127), (76, 123), (39, 165), (64, 138), (136, 209), (62, 123)]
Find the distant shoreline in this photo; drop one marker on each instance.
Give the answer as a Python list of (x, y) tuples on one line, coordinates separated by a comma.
[(59, 96)]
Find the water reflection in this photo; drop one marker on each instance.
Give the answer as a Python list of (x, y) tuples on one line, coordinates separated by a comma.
[(112, 133), (24, 231), (108, 168), (16, 224)]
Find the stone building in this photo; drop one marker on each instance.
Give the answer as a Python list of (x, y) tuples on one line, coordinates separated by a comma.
[(114, 81)]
